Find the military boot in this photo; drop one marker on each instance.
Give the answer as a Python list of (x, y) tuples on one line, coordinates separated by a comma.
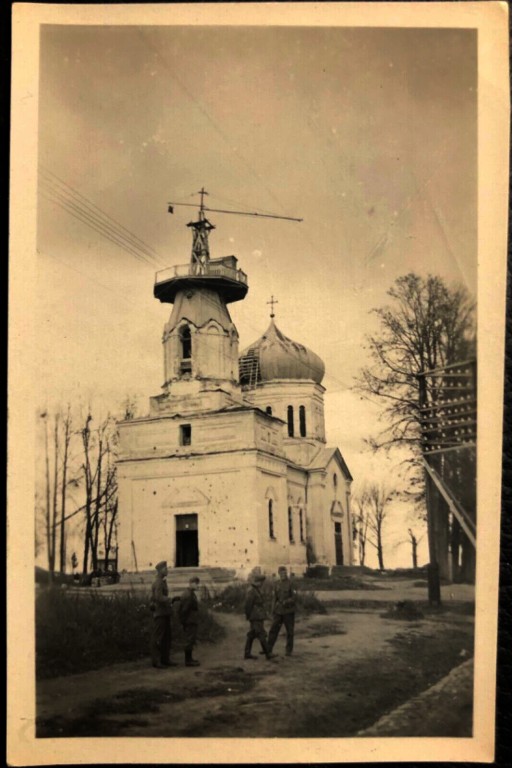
[(267, 650), (189, 661), (248, 648)]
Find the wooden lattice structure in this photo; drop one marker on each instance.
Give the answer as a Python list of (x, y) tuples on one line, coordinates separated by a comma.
[(448, 417)]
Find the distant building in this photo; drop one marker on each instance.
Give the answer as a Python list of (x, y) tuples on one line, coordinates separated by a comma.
[(231, 467)]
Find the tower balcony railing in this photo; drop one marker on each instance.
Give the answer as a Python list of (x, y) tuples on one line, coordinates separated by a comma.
[(211, 269)]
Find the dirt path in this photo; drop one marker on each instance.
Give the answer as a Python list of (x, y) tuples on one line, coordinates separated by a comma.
[(350, 668)]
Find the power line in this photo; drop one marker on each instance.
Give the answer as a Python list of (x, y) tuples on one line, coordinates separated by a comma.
[(96, 211), (96, 222), (72, 204), (82, 216)]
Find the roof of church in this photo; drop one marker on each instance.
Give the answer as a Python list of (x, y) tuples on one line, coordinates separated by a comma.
[(281, 358), (323, 457)]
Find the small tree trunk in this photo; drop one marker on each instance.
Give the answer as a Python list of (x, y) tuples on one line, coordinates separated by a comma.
[(414, 544), (67, 437), (362, 551), (48, 505), (55, 490)]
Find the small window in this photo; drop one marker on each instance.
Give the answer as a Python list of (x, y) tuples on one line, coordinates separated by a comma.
[(302, 421), (268, 410), (185, 434), (186, 343), (290, 524), (271, 519), (290, 420), (335, 480), (301, 525)]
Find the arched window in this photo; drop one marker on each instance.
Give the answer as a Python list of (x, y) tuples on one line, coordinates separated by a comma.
[(186, 342), (302, 421), (268, 410), (335, 480), (271, 519), (301, 525), (290, 525), (290, 420)]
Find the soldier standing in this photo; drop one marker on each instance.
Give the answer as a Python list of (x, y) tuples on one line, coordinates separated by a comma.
[(161, 630), (189, 615), (283, 610), (255, 614)]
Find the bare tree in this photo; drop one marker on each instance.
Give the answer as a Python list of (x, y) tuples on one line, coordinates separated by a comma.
[(414, 546), (428, 325), (67, 426), (373, 504), (90, 472), (57, 478), (361, 526), (48, 525), (100, 487)]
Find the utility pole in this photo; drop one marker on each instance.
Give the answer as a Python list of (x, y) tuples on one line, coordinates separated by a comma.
[(434, 584)]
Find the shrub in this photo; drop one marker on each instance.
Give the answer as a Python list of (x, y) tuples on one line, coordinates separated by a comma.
[(308, 602), (404, 610), (317, 572), (336, 583), (232, 599), (78, 631)]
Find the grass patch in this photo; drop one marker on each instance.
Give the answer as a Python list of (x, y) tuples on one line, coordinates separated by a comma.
[(326, 628), (76, 632), (336, 583), (232, 599), (404, 610)]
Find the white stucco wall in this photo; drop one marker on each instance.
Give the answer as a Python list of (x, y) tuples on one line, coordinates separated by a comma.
[(214, 488), (281, 393)]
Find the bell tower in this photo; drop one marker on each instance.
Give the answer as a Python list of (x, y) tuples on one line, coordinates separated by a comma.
[(200, 340)]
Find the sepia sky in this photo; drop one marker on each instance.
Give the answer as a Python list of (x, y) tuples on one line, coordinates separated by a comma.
[(367, 134)]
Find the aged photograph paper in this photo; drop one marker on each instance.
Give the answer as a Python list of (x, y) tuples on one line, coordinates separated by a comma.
[(257, 302)]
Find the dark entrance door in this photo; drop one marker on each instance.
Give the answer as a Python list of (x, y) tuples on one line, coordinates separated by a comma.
[(187, 549), (338, 543)]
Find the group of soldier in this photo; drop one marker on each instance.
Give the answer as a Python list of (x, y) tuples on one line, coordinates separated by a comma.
[(282, 610)]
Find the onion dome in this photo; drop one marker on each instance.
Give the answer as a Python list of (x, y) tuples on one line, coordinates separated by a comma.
[(275, 356)]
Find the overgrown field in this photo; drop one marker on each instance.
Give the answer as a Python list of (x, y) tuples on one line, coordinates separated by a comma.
[(79, 631)]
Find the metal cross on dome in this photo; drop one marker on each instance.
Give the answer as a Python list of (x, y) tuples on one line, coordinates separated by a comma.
[(272, 302)]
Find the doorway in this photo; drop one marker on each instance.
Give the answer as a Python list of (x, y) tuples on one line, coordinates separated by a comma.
[(338, 543), (187, 543)]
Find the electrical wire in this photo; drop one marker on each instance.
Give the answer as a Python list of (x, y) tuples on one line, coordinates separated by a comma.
[(81, 215), (55, 182)]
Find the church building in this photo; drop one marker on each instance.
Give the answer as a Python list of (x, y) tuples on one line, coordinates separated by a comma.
[(231, 467)]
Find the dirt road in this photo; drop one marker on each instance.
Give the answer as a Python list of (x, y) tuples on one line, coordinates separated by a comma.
[(350, 670)]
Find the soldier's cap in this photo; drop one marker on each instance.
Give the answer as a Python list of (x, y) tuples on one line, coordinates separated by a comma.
[(282, 569), (162, 564), (194, 580)]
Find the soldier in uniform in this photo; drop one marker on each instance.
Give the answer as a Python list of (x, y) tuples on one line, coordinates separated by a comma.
[(162, 610), (255, 614), (283, 610), (189, 615)]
